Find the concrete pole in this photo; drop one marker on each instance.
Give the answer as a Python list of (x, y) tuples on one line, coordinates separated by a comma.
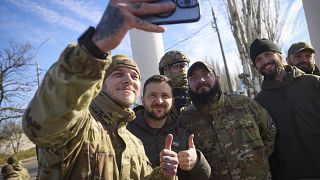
[(147, 49), (312, 13)]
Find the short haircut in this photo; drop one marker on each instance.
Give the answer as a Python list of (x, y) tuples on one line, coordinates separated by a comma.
[(158, 79)]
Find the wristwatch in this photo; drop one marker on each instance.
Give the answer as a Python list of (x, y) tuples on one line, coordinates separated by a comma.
[(86, 40)]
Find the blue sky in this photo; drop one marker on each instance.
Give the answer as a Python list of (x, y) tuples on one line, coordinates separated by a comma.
[(62, 21)]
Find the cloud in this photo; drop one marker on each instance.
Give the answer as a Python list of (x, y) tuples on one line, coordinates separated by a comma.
[(49, 15), (83, 9)]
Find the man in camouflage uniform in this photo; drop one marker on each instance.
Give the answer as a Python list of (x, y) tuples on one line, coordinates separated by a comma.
[(78, 116), (18, 167), (302, 55), (154, 122), (8, 173), (235, 134), (174, 64)]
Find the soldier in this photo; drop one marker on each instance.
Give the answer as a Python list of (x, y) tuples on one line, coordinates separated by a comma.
[(301, 55), (78, 116), (8, 173), (154, 122), (174, 64), (18, 167), (292, 99), (235, 134)]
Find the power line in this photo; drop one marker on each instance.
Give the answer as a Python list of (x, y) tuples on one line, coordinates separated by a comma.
[(190, 36)]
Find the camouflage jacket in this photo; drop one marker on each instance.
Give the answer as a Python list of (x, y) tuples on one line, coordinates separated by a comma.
[(235, 134), (75, 142)]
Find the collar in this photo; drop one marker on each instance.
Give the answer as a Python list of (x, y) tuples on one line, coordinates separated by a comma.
[(213, 106), (103, 108)]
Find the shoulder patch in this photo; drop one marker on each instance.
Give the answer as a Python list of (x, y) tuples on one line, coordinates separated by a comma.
[(271, 123)]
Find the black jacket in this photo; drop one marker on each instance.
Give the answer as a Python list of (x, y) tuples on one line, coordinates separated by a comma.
[(294, 104), (154, 139)]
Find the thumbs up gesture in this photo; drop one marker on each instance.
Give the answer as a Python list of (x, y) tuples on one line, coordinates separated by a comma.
[(188, 158), (169, 159)]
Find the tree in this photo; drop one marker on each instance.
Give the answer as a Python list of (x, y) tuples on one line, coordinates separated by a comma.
[(11, 134), (221, 73), (256, 19), (15, 79)]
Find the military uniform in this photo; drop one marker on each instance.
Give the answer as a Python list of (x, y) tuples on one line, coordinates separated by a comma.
[(75, 142), (23, 172), (153, 140), (235, 134), (179, 80)]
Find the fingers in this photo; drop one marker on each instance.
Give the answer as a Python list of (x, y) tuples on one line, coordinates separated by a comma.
[(168, 142), (169, 164), (191, 142), (140, 8)]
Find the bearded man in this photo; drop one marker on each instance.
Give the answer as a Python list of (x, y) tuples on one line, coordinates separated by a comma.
[(235, 134)]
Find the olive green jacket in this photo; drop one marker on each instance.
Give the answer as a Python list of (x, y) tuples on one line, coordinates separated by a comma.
[(235, 134), (78, 142)]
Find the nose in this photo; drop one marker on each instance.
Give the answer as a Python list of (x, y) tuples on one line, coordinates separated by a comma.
[(128, 79), (159, 100)]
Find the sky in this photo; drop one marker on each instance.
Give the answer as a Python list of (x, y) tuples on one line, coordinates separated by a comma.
[(57, 23)]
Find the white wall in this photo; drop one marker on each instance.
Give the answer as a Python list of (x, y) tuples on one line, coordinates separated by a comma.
[(312, 13), (147, 49)]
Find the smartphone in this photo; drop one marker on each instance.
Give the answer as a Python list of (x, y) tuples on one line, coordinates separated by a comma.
[(186, 11)]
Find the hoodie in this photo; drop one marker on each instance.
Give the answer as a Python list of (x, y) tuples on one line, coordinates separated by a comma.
[(294, 104)]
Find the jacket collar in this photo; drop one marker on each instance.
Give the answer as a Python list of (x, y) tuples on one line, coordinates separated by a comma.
[(107, 110), (214, 105), (292, 73)]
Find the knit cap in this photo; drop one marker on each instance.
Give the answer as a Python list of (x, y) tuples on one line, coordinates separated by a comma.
[(259, 46), (119, 61)]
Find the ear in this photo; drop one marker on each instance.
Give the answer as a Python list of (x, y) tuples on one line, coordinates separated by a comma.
[(142, 100)]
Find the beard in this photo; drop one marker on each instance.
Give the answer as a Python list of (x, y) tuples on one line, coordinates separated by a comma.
[(272, 74), (307, 67), (154, 116), (206, 96)]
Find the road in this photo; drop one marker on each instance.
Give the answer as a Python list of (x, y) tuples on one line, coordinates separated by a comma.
[(32, 165)]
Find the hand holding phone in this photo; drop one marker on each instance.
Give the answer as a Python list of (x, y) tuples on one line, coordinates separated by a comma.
[(186, 11)]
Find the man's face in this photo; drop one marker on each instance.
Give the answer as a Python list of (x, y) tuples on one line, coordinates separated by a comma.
[(203, 86), (268, 64), (201, 80), (180, 68), (123, 86), (157, 100), (303, 60)]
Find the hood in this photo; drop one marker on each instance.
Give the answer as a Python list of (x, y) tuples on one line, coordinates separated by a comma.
[(107, 110), (292, 73), (316, 70)]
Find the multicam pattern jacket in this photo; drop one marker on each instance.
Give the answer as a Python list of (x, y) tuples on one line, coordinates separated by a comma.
[(235, 134), (75, 142)]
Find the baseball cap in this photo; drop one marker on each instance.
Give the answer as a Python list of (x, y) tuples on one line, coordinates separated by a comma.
[(299, 46), (199, 64)]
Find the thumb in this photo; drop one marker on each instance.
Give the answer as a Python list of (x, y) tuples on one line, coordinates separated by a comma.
[(168, 142), (191, 143)]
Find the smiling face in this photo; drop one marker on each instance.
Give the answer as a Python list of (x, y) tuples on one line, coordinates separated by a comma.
[(123, 86), (157, 101), (303, 60), (269, 64)]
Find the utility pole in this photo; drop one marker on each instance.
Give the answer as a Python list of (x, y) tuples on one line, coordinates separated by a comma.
[(37, 61), (215, 26)]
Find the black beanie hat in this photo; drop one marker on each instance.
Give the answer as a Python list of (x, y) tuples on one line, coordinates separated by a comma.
[(259, 46)]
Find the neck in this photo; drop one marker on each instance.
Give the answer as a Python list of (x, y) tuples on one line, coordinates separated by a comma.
[(156, 124)]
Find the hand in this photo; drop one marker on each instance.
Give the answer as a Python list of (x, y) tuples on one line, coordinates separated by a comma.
[(168, 159), (121, 16), (188, 158)]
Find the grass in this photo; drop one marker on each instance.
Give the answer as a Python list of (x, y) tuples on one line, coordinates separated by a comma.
[(20, 155)]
